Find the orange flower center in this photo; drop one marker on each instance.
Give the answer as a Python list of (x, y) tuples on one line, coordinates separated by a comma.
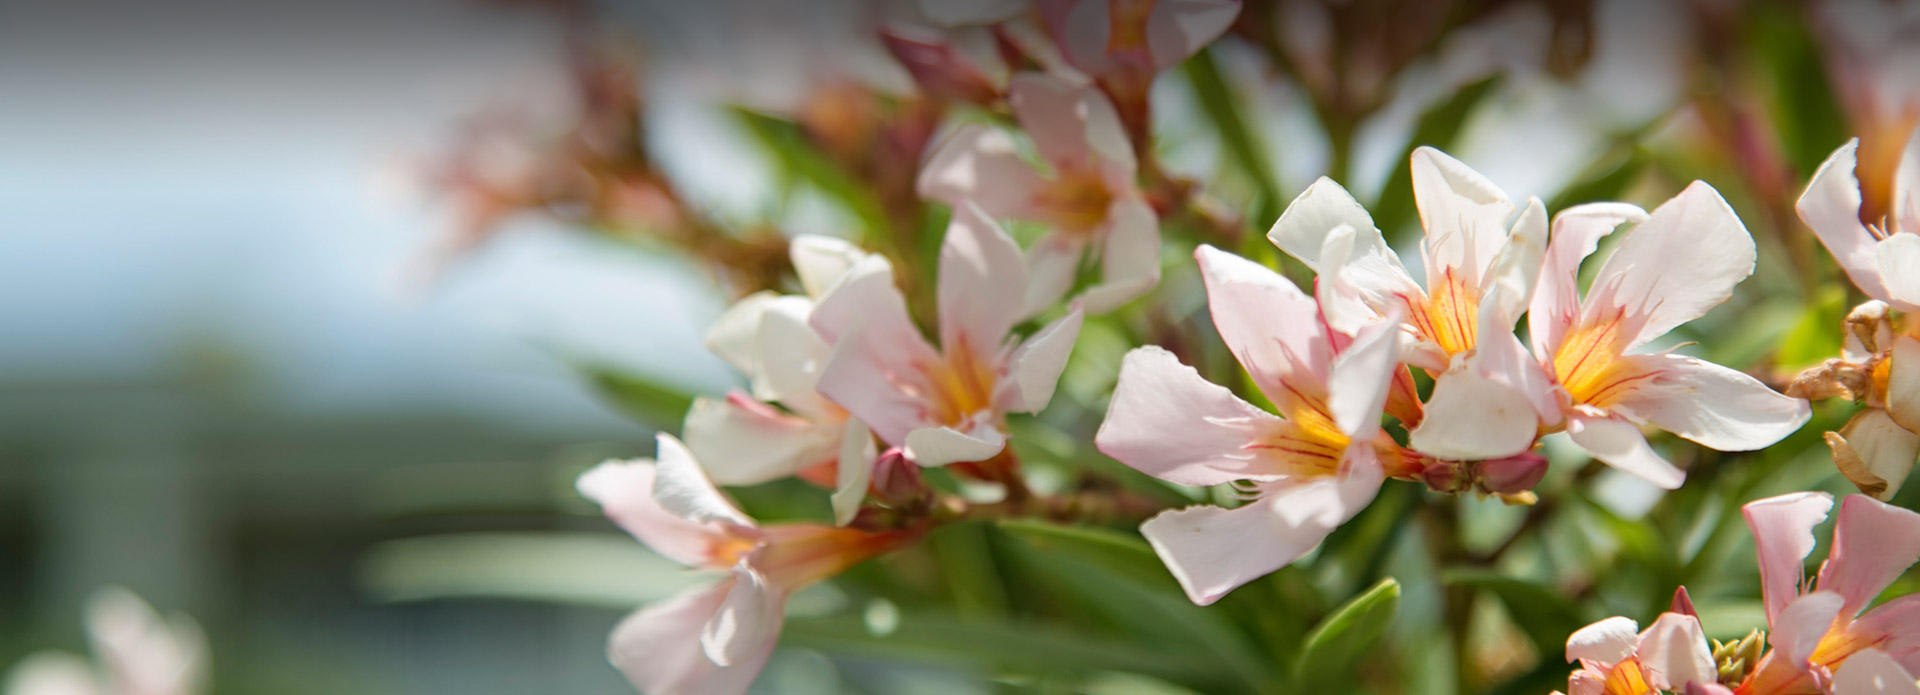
[(963, 384), (1449, 316), (1588, 364), (1075, 202)]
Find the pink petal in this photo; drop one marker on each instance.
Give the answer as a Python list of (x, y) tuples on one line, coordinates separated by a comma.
[(1711, 405), (1674, 652), (1082, 28), (983, 283), (1271, 326), (1684, 260), (1782, 537), (658, 648), (1873, 672), (876, 349), (682, 488), (1831, 206), (1604, 643), (624, 491), (982, 165), (1501, 358), (1464, 214), (1036, 365), (1070, 124), (791, 356), (1873, 544), (735, 334), (746, 442), (1802, 623), (1358, 286), (1177, 29), (1212, 551), (939, 446), (1167, 422), (1508, 285), (1576, 234), (1618, 443), (866, 298), (1895, 627), (1052, 264), (1903, 382), (747, 622), (1130, 258)]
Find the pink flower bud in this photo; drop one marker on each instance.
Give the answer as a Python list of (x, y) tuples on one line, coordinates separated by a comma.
[(896, 480), (1513, 474), (1446, 476)]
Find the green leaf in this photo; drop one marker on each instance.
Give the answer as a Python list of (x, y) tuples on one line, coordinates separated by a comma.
[(648, 400), (1115, 551), (1543, 613), (1438, 127), (1336, 647), (799, 158)]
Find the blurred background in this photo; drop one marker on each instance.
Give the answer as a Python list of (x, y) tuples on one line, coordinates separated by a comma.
[(283, 350)]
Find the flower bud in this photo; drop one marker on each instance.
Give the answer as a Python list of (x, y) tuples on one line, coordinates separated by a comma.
[(1511, 475), (897, 482), (1446, 476)]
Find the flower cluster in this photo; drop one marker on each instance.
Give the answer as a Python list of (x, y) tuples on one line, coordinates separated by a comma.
[(1334, 361)]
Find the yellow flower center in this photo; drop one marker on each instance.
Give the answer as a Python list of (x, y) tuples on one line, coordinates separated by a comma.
[(1450, 315), (1076, 202), (962, 383), (1588, 364)]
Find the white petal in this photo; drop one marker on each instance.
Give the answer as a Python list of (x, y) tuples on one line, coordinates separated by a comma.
[(735, 335), (1167, 422), (1037, 364), (983, 282), (1711, 405), (1576, 234), (1130, 258), (1470, 417), (683, 489), (852, 472), (1874, 452), (1212, 551), (52, 673), (1873, 672), (939, 446), (1903, 383), (1606, 643), (821, 261), (1361, 374), (141, 651), (1302, 229), (1684, 260), (1052, 264), (1499, 357), (791, 356), (748, 620), (1177, 29), (1675, 653), (1508, 285), (1618, 443), (982, 165), (1272, 327), (1898, 260), (745, 442), (1782, 537), (1800, 626), (1831, 206), (1464, 214)]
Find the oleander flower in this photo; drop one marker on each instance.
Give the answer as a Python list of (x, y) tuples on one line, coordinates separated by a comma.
[(746, 438), (1617, 658), (1816, 629), (1880, 369), (1879, 248), (139, 653), (1123, 44), (1306, 471), (947, 404), (1089, 198), (1681, 261), (713, 640)]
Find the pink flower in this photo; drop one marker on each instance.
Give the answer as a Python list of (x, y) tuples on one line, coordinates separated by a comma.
[(766, 336), (140, 653), (1681, 261), (1308, 471), (1817, 630), (715, 640), (1123, 44), (1089, 198), (1480, 269), (1881, 255), (1617, 659), (947, 404)]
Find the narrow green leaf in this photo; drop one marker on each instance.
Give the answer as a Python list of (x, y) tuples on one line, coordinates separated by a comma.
[(1543, 613), (1337, 646), (801, 159), (648, 400), (1119, 552)]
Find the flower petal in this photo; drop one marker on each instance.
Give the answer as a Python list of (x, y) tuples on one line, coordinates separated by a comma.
[(1302, 229), (1782, 537), (52, 673), (1177, 29), (1711, 405), (790, 357), (1895, 627), (971, 14), (1052, 264), (1576, 234), (1903, 382), (1604, 643), (939, 446), (1684, 260), (142, 652), (1508, 285), (1873, 672), (1800, 626), (822, 261), (983, 282), (624, 491), (1070, 124), (1273, 328), (1167, 422), (1898, 260), (1674, 652), (1130, 257), (747, 622), (1212, 551), (682, 488), (852, 472), (1081, 28), (877, 350), (1036, 365), (1873, 544), (735, 335), (1618, 443), (1831, 206), (1464, 214), (1470, 417), (1874, 452), (746, 442), (1360, 376), (658, 648), (980, 164)]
